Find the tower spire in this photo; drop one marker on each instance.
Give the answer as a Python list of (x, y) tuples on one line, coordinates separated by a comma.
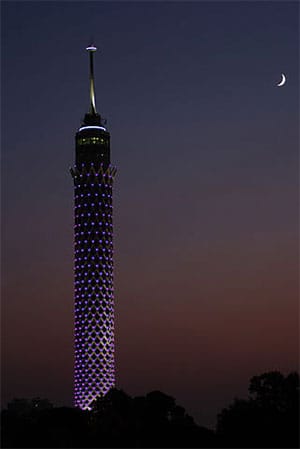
[(91, 49)]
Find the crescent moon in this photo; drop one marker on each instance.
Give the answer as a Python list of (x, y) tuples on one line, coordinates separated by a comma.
[(283, 80)]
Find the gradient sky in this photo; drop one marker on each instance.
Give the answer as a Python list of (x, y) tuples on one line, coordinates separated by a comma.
[(205, 199)]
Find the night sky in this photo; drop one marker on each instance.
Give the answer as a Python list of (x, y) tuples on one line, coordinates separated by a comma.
[(205, 198)]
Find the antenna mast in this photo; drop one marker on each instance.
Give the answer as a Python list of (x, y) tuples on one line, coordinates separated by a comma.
[(91, 49)]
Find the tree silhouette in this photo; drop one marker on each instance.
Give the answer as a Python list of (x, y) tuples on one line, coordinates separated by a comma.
[(111, 417), (153, 420), (53, 427), (268, 418)]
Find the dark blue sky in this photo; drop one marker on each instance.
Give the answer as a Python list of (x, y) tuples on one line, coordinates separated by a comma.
[(206, 196)]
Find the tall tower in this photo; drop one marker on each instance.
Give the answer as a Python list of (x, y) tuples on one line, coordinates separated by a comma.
[(93, 177)]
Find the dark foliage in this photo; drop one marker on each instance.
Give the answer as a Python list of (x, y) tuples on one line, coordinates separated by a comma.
[(116, 420), (268, 418), (53, 427), (151, 421)]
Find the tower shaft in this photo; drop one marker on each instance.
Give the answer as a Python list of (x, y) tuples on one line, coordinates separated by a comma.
[(93, 262)]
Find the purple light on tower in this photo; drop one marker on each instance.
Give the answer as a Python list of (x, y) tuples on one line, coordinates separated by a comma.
[(93, 177)]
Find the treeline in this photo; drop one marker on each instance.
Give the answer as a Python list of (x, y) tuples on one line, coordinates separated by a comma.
[(268, 418)]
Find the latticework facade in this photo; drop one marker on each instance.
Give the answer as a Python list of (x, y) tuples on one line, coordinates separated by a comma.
[(93, 178)]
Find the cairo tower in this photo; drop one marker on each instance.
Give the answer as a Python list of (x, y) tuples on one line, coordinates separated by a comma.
[(93, 177)]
